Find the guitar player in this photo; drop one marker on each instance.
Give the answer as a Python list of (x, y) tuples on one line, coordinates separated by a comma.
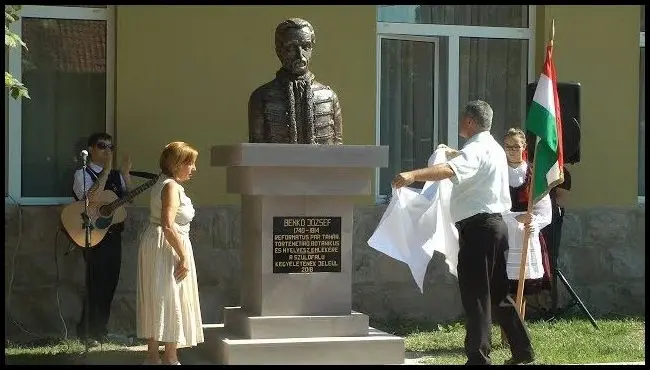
[(103, 262)]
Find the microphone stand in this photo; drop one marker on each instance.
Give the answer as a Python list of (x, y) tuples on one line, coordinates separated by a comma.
[(87, 227)]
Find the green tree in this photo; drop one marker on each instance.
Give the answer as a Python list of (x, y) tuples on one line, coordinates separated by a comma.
[(16, 88)]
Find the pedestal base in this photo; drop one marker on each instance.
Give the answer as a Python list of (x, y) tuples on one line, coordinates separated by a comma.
[(377, 348), (237, 322), (296, 257)]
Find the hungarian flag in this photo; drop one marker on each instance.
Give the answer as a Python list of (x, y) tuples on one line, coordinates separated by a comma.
[(545, 122)]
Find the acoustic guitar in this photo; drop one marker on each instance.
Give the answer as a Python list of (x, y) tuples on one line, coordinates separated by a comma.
[(107, 210)]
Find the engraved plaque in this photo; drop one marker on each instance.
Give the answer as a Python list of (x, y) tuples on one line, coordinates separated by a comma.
[(306, 244)]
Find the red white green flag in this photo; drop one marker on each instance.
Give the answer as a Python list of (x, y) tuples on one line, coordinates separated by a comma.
[(545, 122)]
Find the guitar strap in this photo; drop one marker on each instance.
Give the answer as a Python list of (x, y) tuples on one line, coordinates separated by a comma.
[(92, 173), (110, 185), (94, 177)]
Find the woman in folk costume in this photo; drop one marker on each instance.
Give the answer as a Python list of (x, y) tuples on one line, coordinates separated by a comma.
[(538, 271)]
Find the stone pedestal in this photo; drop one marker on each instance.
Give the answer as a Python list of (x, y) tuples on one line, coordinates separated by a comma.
[(296, 257)]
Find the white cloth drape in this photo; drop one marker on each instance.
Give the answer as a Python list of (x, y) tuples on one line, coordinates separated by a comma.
[(418, 223)]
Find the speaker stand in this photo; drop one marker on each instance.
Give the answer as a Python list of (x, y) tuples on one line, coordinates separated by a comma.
[(554, 238), (555, 312)]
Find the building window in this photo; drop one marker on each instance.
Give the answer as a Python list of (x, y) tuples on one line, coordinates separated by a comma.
[(495, 70), (430, 64), (457, 15), (408, 107), (67, 70)]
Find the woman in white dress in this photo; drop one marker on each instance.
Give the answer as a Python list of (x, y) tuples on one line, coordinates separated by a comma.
[(168, 308)]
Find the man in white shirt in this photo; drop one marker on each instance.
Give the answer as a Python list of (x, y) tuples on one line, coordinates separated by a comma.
[(103, 262), (479, 172)]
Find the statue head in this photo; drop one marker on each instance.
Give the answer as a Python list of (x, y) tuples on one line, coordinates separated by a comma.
[(294, 42)]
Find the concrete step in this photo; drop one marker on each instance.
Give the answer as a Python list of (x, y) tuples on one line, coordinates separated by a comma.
[(377, 348), (238, 322)]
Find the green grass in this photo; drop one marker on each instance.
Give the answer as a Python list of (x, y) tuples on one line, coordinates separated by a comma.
[(53, 351), (568, 341)]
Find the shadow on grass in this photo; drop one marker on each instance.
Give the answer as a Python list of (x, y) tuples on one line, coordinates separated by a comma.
[(441, 352), (53, 351), (404, 327), (452, 351), (576, 314), (94, 357)]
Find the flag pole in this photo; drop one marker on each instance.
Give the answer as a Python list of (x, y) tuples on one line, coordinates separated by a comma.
[(523, 264)]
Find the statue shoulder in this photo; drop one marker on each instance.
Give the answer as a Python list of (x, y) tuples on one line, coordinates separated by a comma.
[(261, 92), (324, 90)]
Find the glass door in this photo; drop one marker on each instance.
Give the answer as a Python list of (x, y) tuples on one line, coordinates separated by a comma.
[(407, 103)]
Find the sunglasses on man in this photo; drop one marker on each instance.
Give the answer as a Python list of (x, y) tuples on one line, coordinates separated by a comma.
[(102, 145)]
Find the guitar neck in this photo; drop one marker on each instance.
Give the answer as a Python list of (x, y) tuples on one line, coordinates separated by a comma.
[(131, 194)]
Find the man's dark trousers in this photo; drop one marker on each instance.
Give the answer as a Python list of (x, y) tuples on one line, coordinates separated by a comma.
[(103, 265), (483, 283)]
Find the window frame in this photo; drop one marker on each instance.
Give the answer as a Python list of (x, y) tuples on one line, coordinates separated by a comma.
[(436, 83), (641, 198), (454, 33), (15, 106)]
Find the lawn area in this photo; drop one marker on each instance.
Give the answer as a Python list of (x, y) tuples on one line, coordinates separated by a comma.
[(60, 352), (567, 341)]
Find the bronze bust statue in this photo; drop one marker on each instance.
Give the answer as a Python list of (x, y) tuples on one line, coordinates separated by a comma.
[(294, 108)]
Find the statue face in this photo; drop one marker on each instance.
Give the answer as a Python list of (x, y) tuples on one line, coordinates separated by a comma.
[(295, 50)]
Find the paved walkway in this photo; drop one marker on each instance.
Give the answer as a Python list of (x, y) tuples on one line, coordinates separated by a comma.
[(414, 359), (195, 358)]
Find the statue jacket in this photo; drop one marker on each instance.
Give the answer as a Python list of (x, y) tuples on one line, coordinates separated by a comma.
[(269, 115)]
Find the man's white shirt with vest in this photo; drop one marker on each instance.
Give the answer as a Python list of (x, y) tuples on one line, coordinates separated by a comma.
[(78, 183)]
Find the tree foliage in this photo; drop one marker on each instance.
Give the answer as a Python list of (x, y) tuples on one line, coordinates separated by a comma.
[(15, 87)]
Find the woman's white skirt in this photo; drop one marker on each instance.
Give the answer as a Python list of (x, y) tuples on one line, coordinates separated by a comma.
[(534, 266), (167, 310)]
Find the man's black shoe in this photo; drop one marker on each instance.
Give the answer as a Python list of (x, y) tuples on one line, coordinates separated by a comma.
[(519, 361)]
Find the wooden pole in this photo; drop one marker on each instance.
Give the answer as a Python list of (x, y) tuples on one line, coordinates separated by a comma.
[(552, 32), (526, 239), (524, 254)]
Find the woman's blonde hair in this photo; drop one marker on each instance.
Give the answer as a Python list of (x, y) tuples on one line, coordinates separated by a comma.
[(174, 155), (516, 132)]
